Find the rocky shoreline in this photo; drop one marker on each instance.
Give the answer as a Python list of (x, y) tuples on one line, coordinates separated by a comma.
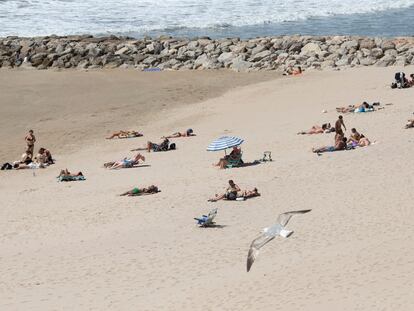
[(267, 53)]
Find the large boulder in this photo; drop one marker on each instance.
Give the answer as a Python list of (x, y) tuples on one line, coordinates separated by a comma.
[(310, 48), (226, 57), (387, 45), (350, 44), (240, 65), (260, 56), (258, 49), (367, 43), (377, 52)]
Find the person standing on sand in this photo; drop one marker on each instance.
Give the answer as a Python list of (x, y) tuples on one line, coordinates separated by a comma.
[(30, 141), (338, 126)]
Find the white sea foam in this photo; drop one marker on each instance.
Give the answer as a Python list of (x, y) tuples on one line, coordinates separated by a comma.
[(43, 17)]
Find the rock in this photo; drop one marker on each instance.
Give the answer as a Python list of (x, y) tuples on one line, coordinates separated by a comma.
[(37, 59), (240, 65), (226, 57), (260, 56), (83, 64), (210, 47), (123, 50), (401, 61), (258, 49), (377, 52), (391, 52), (310, 48), (192, 45), (385, 61), (350, 44), (344, 61), (203, 61), (150, 60), (387, 45), (401, 48), (367, 61), (367, 43)]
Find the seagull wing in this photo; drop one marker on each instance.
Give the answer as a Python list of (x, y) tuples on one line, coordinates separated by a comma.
[(284, 218), (255, 247)]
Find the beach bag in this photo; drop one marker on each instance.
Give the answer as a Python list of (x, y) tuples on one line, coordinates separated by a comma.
[(172, 146)]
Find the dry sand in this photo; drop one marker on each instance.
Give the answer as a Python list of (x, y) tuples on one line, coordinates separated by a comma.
[(78, 246)]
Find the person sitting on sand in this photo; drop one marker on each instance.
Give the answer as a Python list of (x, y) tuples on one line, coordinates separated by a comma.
[(316, 129), (125, 134), (187, 133), (409, 124), (234, 155), (66, 173), (26, 157), (340, 144), (355, 136), (141, 191), (44, 157), (230, 194), (125, 163), (164, 146)]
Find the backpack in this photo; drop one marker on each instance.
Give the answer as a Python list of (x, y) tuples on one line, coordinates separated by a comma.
[(6, 166), (172, 146)]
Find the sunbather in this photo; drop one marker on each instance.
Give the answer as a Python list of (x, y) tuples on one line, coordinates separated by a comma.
[(316, 129), (235, 155), (66, 173), (363, 141), (164, 146), (44, 157), (364, 107), (340, 144), (31, 165), (125, 163), (143, 191), (247, 194), (187, 133), (125, 134), (355, 136), (290, 71), (230, 194)]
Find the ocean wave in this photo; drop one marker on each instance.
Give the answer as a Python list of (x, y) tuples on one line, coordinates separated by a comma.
[(35, 17)]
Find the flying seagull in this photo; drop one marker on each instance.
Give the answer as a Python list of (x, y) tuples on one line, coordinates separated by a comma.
[(270, 233)]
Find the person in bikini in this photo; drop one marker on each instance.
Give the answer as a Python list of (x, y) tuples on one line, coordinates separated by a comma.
[(30, 141), (187, 133), (125, 163), (66, 173), (316, 129), (354, 138), (141, 191), (340, 144), (230, 194), (125, 134)]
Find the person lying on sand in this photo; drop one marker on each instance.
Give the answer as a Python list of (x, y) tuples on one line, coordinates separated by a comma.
[(66, 173), (234, 155), (125, 134), (364, 107), (247, 194), (230, 194), (409, 124), (125, 163), (187, 133), (290, 71), (164, 146), (316, 129), (340, 144), (143, 191), (363, 141), (31, 165)]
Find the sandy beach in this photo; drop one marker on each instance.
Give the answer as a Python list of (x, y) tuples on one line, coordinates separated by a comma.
[(79, 246)]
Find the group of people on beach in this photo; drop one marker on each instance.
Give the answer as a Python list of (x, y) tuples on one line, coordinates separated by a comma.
[(343, 143), (42, 159), (401, 81)]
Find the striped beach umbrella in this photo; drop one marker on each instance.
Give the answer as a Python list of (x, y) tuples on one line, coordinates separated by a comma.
[(224, 142)]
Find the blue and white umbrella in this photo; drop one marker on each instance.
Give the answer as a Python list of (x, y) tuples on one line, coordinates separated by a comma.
[(224, 142)]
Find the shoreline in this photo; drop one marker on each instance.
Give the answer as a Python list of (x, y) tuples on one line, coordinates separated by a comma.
[(167, 53)]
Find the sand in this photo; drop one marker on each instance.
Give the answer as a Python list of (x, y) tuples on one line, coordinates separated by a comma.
[(79, 246)]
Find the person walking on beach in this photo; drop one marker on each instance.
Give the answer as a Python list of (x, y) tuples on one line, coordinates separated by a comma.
[(338, 127), (30, 141)]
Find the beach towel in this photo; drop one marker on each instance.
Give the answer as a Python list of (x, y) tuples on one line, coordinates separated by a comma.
[(71, 178)]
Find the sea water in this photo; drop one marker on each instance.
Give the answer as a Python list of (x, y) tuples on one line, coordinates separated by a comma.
[(214, 18)]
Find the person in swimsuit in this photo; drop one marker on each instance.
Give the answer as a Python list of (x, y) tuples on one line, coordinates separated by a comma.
[(143, 191), (338, 126), (354, 138), (187, 133), (125, 163), (363, 141), (30, 141), (247, 194), (235, 154), (66, 173), (316, 129), (125, 134), (340, 144), (230, 194)]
